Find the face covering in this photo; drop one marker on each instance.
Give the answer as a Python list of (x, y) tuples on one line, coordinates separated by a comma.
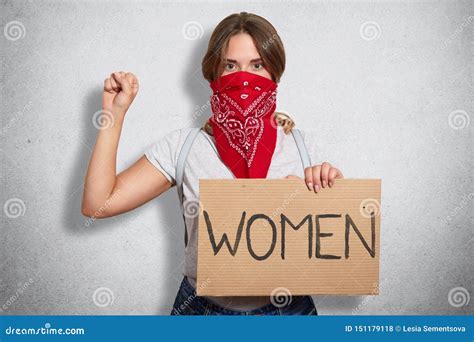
[(243, 123)]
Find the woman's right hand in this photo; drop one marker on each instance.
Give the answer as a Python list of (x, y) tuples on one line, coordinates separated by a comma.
[(120, 90), (107, 193)]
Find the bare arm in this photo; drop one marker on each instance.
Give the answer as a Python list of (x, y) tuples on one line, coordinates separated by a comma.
[(106, 193)]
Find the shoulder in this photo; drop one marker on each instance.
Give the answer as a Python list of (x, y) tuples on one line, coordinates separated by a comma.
[(169, 144), (163, 152), (178, 133), (175, 137)]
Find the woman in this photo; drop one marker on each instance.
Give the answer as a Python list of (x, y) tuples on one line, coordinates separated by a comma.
[(244, 138)]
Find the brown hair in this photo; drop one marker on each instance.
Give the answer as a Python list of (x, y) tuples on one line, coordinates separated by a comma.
[(266, 39)]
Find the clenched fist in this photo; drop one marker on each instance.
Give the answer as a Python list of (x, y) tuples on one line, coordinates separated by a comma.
[(120, 90)]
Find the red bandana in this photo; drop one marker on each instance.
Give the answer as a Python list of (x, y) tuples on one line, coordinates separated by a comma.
[(243, 124)]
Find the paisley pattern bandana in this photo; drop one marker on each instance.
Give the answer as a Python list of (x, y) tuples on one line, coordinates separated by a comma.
[(243, 123)]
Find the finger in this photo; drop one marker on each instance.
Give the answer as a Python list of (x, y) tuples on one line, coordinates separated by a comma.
[(317, 177), (124, 84), (292, 177), (324, 173), (113, 81), (133, 82), (108, 86), (332, 176), (339, 174), (308, 177)]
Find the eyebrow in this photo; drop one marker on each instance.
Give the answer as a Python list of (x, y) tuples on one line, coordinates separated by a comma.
[(251, 61)]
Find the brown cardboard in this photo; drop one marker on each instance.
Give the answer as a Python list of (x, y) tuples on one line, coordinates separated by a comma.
[(255, 271)]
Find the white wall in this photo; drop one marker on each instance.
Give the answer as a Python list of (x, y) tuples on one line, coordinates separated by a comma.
[(380, 108)]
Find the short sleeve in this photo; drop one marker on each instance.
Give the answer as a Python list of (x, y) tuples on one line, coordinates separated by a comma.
[(163, 154)]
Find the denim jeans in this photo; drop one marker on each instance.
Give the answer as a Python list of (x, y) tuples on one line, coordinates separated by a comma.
[(188, 303)]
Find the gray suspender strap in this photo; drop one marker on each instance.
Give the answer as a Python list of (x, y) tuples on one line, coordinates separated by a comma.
[(183, 154), (305, 158)]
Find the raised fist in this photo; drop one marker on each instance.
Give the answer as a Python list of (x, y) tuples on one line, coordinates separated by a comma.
[(120, 90)]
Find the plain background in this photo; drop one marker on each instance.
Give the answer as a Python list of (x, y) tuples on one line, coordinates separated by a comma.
[(385, 86)]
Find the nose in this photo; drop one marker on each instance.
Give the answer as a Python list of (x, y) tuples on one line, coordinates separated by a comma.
[(246, 68)]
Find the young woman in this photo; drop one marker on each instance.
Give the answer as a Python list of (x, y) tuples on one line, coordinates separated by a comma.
[(243, 138)]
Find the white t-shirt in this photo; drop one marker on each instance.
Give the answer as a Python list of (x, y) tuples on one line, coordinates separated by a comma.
[(204, 162)]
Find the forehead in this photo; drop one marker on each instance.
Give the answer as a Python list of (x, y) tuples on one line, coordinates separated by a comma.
[(241, 47)]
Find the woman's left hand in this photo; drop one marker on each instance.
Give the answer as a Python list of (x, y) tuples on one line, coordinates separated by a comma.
[(320, 176)]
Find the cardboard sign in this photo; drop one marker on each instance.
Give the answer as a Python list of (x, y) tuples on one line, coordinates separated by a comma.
[(259, 236)]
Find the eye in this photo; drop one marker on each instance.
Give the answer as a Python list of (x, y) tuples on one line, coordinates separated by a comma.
[(258, 66), (229, 66)]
